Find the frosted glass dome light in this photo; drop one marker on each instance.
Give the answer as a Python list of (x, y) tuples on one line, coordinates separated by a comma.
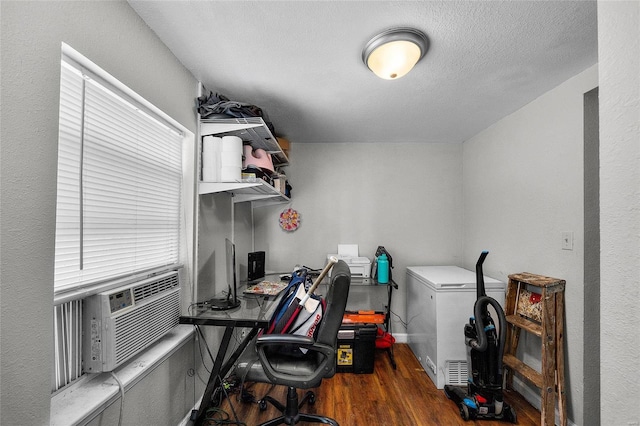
[(393, 53)]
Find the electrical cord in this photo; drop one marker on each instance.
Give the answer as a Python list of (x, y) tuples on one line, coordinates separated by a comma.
[(224, 389), (224, 418), (206, 344), (194, 305), (195, 371), (215, 415), (203, 339), (121, 386), (200, 340), (399, 319), (242, 388)]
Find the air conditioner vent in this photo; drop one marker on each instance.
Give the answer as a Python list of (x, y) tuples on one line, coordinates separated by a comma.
[(140, 327), (141, 292)]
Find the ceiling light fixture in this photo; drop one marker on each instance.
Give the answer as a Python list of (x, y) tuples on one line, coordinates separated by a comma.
[(394, 52)]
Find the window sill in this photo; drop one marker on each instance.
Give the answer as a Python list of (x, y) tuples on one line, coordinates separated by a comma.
[(81, 402)]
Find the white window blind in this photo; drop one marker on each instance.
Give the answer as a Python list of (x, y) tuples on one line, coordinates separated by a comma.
[(119, 183)]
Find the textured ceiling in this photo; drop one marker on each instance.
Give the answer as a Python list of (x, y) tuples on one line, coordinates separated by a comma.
[(300, 61)]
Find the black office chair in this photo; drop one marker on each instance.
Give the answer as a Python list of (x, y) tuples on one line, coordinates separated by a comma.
[(264, 360)]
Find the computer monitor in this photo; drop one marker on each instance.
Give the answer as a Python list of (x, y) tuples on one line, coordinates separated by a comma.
[(231, 301)]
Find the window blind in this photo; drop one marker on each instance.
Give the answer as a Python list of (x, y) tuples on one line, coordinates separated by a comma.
[(119, 183)]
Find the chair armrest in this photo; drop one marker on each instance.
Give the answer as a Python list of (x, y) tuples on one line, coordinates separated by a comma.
[(324, 367), (283, 339)]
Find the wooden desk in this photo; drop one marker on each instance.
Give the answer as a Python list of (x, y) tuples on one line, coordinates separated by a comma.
[(254, 312)]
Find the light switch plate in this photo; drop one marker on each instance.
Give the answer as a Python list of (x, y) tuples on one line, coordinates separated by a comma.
[(567, 241)]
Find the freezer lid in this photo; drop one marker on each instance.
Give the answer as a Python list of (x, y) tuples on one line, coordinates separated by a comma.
[(451, 277)]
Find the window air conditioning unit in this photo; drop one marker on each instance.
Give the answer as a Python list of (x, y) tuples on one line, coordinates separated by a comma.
[(120, 323)]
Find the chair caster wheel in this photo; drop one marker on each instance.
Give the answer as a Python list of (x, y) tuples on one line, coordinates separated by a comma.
[(262, 404)]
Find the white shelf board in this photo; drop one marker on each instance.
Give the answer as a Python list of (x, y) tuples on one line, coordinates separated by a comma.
[(259, 192), (252, 130)]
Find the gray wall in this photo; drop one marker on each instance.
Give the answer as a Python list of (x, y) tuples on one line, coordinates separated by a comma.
[(214, 226), (619, 81), (406, 197), (115, 38), (523, 187)]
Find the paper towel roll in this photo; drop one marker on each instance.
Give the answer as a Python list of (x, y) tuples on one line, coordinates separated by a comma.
[(209, 174), (230, 159), (231, 144), (211, 143), (230, 174), (211, 158)]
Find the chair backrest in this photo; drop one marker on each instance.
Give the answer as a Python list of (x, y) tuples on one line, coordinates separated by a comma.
[(336, 299), (307, 371)]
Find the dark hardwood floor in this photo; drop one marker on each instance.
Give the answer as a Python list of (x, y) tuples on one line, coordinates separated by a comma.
[(403, 397)]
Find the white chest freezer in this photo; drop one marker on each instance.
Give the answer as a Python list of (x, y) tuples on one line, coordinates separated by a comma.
[(440, 300)]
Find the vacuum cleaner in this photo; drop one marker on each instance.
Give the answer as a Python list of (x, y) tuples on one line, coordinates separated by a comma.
[(484, 398)]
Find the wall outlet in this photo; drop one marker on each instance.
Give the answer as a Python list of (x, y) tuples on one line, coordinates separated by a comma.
[(431, 365), (567, 241)]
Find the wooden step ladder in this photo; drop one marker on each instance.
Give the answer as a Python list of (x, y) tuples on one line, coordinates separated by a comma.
[(535, 303)]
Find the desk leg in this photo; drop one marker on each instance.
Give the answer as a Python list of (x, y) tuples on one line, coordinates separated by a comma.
[(220, 370), (392, 357), (214, 380), (387, 324), (236, 354)]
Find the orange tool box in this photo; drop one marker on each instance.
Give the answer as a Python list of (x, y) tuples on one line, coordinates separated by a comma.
[(363, 317)]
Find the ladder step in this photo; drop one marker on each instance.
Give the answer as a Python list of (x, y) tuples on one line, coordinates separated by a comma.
[(530, 326), (523, 369), (551, 284)]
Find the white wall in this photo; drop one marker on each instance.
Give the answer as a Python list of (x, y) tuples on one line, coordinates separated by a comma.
[(523, 187), (406, 197), (214, 226), (619, 56), (115, 38)]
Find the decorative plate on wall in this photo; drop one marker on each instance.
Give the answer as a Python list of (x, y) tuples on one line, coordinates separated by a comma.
[(290, 220)]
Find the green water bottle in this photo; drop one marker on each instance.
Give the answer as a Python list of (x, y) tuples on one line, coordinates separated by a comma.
[(383, 269)]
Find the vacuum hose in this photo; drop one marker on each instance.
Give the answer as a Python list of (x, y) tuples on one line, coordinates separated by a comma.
[(480, 312)]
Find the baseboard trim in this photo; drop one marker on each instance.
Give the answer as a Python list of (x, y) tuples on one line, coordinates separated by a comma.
[(401, 337)]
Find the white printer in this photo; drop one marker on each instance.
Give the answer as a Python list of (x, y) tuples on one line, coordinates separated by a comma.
[(358, 265)]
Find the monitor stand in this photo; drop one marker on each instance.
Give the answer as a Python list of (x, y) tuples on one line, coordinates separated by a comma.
[(223, 304), (231, 301)]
